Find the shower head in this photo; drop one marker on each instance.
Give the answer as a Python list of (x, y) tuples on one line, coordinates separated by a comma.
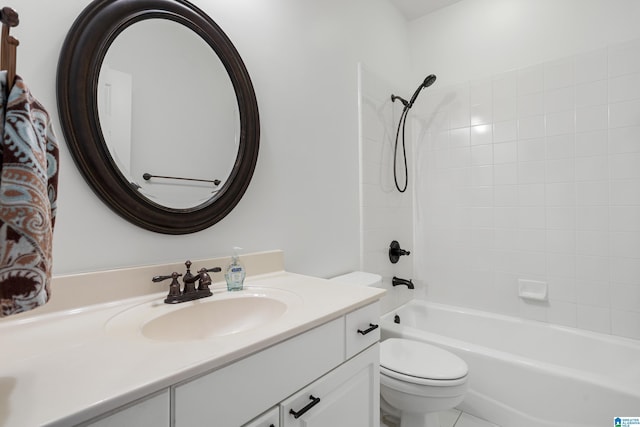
[(428, 81), (431, 78)]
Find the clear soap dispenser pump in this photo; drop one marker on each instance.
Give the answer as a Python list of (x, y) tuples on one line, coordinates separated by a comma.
[(235, 272)]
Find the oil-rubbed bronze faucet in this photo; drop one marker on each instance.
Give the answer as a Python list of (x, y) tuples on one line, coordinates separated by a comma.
[(396, 281), (189, 291)]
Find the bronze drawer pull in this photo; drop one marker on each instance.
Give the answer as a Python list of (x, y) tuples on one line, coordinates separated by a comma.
[(372, 327), (314, 402)]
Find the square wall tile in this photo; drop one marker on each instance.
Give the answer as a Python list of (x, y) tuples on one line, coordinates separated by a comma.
[(624, 140), (625, 192), (625, 166), (504, 109), (531, 172), (482, 155), (560, 170), (595, 319), (625, 297), (592, 193), (561, 99), (561, 241), (560, 123), (592, 243), (624, 88), (625, 324), (531, 195), (623, 114), (531, 105), (592, 118), (592, 268), (592, 143), (625, 271), (459, 137), (590, 94), (594, 218), (505, 173), (506, 152), (531, 127), (624, 218), (481, 134), (531, 149), (562, 313), (505, 131), (593, 168), (561, 146), (560, 194), (625, 244)]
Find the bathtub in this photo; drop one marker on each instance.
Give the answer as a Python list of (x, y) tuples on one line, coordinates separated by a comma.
[(529, 374)]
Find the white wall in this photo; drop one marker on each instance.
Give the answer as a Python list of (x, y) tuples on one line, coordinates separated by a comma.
[(529, 166), (302, 57)]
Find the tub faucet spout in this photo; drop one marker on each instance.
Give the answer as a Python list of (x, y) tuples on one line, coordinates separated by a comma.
[(396, 281)]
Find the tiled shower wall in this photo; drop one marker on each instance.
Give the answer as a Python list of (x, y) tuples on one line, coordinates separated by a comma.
[(386, 214), (535, 174)]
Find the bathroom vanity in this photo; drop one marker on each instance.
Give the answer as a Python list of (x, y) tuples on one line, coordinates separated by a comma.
[(313, 363)]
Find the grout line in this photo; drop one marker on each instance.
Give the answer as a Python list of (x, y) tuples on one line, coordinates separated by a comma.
[(457, 419)]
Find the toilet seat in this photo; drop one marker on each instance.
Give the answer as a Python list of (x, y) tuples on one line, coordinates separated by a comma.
[(421, 363)]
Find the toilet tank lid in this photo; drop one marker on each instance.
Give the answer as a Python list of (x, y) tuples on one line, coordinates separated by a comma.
[(359, 278)]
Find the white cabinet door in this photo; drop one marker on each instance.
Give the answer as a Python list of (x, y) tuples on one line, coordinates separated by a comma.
[(270, 418), (150, 412), (348, 396)]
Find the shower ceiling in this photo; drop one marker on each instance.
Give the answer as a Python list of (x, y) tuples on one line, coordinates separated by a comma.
[(414, 9)]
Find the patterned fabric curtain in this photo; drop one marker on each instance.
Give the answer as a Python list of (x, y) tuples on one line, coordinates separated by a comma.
[(28, 193)]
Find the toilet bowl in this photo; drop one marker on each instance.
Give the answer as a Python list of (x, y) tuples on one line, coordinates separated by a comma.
[(417, 380)]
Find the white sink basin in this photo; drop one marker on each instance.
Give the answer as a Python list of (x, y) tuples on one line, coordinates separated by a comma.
[(223, 314)]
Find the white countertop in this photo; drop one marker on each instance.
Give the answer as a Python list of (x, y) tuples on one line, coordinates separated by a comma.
[(63, 368)]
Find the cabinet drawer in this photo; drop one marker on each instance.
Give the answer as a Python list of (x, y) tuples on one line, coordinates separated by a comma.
[(233, 395), (362, 329)]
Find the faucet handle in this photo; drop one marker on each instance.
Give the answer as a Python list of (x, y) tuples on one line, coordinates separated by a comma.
[(204, 278), (157, 279), (395, 252), (174, 287)]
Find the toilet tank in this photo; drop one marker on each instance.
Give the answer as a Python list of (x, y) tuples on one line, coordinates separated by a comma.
[(359, 278)]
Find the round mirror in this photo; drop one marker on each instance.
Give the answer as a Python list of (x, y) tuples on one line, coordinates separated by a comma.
[(159, 112)]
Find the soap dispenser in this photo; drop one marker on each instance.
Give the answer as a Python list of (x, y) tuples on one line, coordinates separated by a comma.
[(235, 272)]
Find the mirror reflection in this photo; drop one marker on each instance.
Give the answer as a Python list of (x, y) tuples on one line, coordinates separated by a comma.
[(168, 113)]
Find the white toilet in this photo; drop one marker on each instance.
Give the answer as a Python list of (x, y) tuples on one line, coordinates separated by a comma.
[(417, 380)]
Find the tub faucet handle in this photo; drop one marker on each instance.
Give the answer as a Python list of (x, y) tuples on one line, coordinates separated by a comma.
[(395, 252)]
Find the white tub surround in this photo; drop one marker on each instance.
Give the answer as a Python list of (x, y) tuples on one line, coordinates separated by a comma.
[(527, 373), (64, 367)]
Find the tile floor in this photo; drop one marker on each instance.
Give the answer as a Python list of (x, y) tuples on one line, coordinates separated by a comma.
[(451, 418)]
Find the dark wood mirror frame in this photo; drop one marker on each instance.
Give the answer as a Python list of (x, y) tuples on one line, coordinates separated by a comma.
[(79, 67)]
